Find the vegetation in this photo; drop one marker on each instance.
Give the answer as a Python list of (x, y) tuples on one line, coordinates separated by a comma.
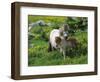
[(38, 54)]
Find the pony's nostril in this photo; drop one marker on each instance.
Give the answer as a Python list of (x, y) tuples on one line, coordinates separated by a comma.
[(66, 37), (56, 45)]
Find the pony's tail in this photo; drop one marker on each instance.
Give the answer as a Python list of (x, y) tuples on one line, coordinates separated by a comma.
[(50, 47)]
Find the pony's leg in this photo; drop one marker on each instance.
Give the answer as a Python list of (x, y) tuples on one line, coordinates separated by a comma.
[(64, 54)]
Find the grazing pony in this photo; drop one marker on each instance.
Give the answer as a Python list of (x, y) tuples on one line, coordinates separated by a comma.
[(59, 40), (54, 39)]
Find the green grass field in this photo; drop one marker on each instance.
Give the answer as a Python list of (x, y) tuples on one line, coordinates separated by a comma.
[(38, 54)]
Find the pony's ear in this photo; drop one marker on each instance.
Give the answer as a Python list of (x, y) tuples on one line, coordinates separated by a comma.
[(58, 40), (66, 27), (61, 31)]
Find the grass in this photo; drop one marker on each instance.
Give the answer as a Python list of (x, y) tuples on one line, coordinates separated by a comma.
[(39, 55)]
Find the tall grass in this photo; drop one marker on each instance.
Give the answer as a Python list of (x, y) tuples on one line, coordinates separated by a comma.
[(39, 55)]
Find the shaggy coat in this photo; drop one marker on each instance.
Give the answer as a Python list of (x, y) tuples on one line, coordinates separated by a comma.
[(60, 42)]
